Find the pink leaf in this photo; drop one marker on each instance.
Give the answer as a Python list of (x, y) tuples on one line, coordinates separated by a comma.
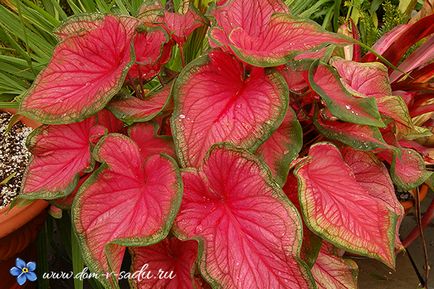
[(83, 75), (152, 49), (215, 102), (358, 136), (371, 79), (262, 33), (395, 108), (128, 201), (145, 136), (133, 109), (373, 176), (282, 147), (339, 101), (333, 272), (151, 12), (60, 154), (294, 78), (368, 79), (109, 121), (180, 26), (407, 169), (176, 258), (65, 203), (340, 210), (249, 232)]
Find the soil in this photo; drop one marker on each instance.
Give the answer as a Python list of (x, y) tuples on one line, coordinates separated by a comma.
[(14, 158)]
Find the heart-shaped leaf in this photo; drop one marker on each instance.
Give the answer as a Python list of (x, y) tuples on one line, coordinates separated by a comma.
[(369, 79), (333, 272), (152, 50), (180, 26), (215, 101), (282, 147), (133, 109), (408, 169), (128, 201), (83, 74), (372, 80), (262, 38), (60, 153), (145, 136), (339, 209), (250, 234), (339, 101), (170, 258)]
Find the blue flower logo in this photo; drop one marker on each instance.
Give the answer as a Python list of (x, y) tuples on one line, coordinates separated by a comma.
[(23, 271)]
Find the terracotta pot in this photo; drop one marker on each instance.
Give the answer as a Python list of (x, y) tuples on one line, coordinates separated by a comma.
[(19, 227), (423, 190)]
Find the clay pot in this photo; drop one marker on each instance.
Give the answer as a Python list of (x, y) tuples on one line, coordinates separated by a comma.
[(423, 190), (19, 227)]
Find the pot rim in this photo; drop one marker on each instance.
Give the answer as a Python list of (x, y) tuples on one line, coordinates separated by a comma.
[(14, 218)]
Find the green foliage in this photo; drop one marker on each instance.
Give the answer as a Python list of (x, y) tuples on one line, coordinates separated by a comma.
[(27, 40)]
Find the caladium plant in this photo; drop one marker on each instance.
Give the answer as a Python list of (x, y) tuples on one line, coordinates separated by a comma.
[(255, 165)]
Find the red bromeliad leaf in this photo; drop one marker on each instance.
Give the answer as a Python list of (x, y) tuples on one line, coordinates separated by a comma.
[(333, 272), (152, 49), (358, 136), (368, 79), (419, 58), (83, 75), (282, 147), (262, 38), (133, 109), (339, 101), (339, 209), (249, 232), (215, 102), (176, 258), (60, 154), (145, 136), (408, 37), (128, 201), (372, 175), (387, 39), (407, 169), (180, 26)]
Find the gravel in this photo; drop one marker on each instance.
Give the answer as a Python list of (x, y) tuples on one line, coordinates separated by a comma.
[(14, 157)]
